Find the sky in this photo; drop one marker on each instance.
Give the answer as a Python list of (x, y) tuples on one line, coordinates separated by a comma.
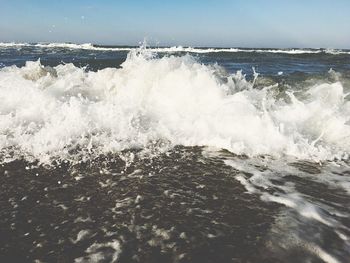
[(218, 23)]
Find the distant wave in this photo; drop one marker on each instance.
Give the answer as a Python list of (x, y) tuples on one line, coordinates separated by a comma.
[(174, 49)]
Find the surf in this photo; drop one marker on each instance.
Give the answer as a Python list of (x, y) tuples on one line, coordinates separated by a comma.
[(67, 112)]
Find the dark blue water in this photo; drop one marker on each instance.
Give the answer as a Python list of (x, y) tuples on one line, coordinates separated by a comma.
[(265, 63)]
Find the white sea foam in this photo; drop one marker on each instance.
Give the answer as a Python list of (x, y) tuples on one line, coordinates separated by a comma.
[(65, 111), (270, 179), (89, 46), (13, 44)]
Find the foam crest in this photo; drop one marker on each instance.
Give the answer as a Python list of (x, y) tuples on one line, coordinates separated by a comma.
[(68, 113)]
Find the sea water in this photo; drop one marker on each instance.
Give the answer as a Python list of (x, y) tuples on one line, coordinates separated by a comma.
[(174, 154)]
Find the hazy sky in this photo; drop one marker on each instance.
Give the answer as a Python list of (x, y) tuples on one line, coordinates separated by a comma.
[(247, 23)]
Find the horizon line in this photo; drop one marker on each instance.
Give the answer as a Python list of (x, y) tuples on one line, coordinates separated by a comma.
[(168, 46)]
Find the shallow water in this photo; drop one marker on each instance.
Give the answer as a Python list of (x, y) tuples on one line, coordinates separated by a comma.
[(186, 205), (173, 157)]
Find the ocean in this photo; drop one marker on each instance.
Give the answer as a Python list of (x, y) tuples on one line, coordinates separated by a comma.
[(174, 154)]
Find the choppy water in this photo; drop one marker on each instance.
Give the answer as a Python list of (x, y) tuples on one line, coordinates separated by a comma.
[(121, 154)]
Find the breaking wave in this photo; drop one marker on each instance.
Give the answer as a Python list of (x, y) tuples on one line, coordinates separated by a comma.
[(67, 112)]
